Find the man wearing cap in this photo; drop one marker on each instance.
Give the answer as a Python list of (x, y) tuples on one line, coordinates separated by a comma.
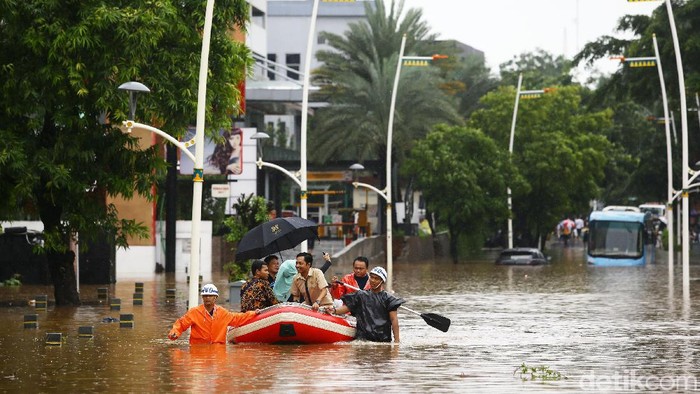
[(374, 309), (208, 321)]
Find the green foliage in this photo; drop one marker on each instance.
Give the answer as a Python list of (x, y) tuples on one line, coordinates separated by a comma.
[(464, 176), (542, 373), (635, 93), (60, 66), (250, 212), (15, 280), (540, 70), (560, 149)]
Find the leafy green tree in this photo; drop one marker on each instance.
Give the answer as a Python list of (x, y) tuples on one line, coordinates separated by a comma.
[(60, 65), (477, 81), (540, 69), (463, 175), (559, 148), (635, 94)]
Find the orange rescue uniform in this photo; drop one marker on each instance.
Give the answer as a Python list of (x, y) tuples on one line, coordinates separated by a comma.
[(338, 290), (208, 328)]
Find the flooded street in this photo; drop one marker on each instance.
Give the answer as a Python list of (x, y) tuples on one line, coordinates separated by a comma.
[(608, 329)]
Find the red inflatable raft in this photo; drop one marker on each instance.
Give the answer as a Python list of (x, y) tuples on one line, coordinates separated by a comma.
[(294, 323)]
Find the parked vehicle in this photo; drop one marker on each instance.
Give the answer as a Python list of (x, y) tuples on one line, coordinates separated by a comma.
[(522, 256), (657, 210), (620, 238), (621, 208)]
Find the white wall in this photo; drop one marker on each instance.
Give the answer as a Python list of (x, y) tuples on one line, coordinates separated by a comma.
[(246, 182), (135, 262), (289, 33), (183, 235), (30, 225)]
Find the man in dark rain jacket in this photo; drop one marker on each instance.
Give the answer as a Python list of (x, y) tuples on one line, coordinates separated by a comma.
[(374, 309)]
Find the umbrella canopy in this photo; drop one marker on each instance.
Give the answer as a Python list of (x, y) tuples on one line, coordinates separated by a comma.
[(274, 236)]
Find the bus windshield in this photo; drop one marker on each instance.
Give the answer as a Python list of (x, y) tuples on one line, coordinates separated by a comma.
[(616, 239)]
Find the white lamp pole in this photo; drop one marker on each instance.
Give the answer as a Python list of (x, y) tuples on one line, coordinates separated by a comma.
[(390, 130), (198, 172), (685, 244), (305, 115), (669, 164), (134, 88), (510, 151), (667, 126), (518, 93), (386, 193)]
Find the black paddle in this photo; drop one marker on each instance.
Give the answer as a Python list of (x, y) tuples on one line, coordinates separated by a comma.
[(434, 320)]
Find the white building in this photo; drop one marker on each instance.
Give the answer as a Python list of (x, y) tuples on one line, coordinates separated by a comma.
[(288, 29)]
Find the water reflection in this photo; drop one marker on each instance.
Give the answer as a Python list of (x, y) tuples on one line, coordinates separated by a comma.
[(586, 322)]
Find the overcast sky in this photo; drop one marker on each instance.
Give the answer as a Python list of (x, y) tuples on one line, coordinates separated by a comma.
[(503, 29)]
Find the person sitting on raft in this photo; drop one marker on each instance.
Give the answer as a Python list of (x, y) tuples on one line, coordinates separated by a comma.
[(256, 293)]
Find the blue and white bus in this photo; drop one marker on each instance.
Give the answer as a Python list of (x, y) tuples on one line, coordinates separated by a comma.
[(619, 238)]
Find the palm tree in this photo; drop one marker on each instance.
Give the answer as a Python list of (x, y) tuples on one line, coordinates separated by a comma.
[(356, 81)]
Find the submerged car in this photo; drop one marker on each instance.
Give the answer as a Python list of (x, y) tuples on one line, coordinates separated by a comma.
[(522, 256)]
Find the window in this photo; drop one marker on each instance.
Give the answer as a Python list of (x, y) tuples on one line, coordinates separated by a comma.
[(293, 62), (272, 60)]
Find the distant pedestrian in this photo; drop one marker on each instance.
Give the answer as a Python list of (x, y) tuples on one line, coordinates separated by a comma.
[(567, 227), (579, 226)]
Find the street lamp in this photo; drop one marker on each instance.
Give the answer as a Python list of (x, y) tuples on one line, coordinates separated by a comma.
[(357, 167), (526, 94), (198, 170), (198, 157), (650, 62), (133, 88), (386, 192), (685, 232), (260, 163)]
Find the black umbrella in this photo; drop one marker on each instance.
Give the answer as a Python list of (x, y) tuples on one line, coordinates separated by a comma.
[(274, 236)]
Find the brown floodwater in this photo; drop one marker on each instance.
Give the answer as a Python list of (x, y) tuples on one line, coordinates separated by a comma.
[(601, 328)]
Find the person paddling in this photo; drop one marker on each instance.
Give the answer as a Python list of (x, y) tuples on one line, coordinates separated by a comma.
[(374, 309)]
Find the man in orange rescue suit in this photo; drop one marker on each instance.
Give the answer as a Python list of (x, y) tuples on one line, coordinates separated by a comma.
[(208, 321)]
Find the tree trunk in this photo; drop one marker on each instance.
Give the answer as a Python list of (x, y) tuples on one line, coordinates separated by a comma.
[(63, 277), (454, 236)]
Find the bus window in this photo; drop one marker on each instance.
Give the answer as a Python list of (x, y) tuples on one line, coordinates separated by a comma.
[(616, 239)]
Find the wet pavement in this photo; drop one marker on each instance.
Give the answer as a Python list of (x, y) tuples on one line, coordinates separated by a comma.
[(605, 329)]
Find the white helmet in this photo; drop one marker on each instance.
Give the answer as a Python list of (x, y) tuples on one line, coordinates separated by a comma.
[(380, 272), (210, 290)]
